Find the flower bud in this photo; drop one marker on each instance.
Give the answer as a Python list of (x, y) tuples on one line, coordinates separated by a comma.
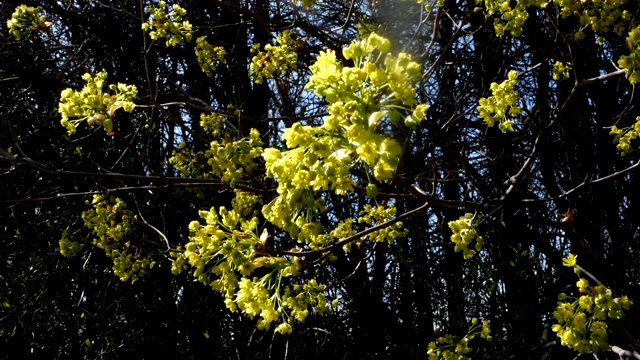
[(108, 126), (96, 118)]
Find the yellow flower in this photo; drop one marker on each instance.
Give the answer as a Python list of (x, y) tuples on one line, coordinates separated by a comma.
[(580, 320), (570, 260), (283, 328), (326, 69), (582, 285), (585, 302)]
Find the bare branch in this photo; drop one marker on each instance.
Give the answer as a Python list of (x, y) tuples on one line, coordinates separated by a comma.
[(514, 180), (622, 352)]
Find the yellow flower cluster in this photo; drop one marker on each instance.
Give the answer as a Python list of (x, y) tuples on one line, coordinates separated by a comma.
[(378, 87), (510, 18), (371, 215), (167, 22), (253, 298), (312, 163), (229, 160), (622, 137), (464, 234), (209, 56), (259, 297), (246, 204), (226, 235), (449, 347), (226, 248), (93, 105), (376, 92), (24, 19), (379, 215), (501, 106), (295, 216), (601, 15), (68, 247), (111, 224), (212, 123), (560, 71), (631, 62), (190, 164), (226, 253), (581, 320), (275, 59)]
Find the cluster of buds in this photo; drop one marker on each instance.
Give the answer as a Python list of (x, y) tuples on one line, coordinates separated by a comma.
[(24, 19)]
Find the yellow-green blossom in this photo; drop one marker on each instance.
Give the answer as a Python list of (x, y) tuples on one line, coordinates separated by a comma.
[(111, 225), (631, 62), (622, 137), (601, 16), (209, 56), (68, 247), (275, 59), (449, 347), (24, 19), (581, 321), (501, 106), (94, 105), (231, 161), (379, 215), (224, 252), (306, 3), (560, 71), (168, 22), (570, 261), (465, 234)]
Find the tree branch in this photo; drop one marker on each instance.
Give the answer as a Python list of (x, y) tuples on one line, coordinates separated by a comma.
[(622, 352), (514, 180)]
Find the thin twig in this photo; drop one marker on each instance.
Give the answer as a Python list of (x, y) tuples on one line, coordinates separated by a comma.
[(356, 268), (145, 51), (162, 235), (444, 52), (346, 22), (71, 55), (434, 35)]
